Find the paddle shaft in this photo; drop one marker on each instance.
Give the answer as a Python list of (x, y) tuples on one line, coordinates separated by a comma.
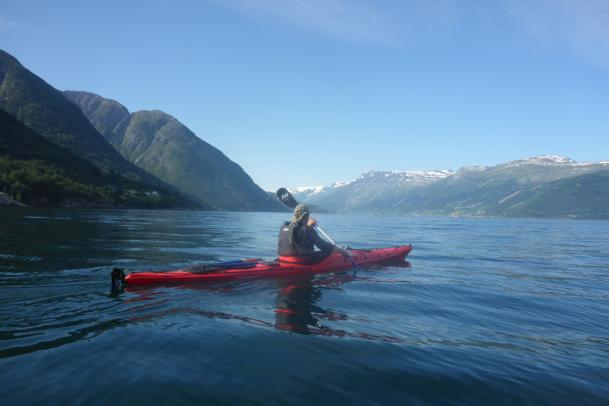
[(333, 243), (325, 235)]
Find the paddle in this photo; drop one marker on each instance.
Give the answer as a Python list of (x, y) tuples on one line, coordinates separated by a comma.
[(286, 198)]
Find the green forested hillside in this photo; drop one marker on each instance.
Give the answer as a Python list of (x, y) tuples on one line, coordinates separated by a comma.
[(44, 109), (35, 171), (517, 191), (584, 197)]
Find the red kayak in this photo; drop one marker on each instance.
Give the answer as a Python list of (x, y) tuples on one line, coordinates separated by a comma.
[(263, 269)]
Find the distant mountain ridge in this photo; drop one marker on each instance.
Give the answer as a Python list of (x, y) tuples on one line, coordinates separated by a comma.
[(405, 178), (161, 145), (471, 191), (371, 191)]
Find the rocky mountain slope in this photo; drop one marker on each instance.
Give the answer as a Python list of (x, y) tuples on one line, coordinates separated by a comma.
[(161, 145)]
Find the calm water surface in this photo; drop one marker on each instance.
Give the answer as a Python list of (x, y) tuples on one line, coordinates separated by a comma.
[(489, 311)]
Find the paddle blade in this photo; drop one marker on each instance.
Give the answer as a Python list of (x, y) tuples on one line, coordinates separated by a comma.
[(286, 198)]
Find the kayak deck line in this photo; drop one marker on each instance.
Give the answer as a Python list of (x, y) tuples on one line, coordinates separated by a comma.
[(258, 268)]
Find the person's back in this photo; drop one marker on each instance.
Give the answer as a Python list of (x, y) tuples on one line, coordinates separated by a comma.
[(298, 239)]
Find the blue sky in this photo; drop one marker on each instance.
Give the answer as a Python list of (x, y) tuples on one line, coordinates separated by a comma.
[(309, 92)]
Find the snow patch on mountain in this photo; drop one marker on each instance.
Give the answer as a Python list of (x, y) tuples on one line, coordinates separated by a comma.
[(413, 177), (540, 160), (551, 160), (411, 174), (306, 189), (341, 183)]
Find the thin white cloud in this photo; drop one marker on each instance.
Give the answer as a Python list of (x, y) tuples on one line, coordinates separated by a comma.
[(577, 26), (348, 20), (581, 25), (589, 23), (8, 25)]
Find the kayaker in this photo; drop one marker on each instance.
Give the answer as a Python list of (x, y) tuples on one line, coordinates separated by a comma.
[(298, 239)]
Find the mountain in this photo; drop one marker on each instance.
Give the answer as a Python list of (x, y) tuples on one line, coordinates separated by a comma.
[(373, 191), (583, 197), (47, 111), (103, 114), (161, 145), (508, 189), (50, 114), (37, 172), (483, 191)]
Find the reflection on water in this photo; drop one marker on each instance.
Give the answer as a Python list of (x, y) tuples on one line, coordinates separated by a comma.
[(296, 306), (297, 310)]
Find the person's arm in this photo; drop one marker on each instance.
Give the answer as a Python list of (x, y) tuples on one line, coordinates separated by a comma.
[(319, 242)]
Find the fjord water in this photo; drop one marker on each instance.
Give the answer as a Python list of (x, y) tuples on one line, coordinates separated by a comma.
[(489, 311)]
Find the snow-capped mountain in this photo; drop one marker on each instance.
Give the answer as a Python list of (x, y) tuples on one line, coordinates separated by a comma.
[(475, 190), (418, 177), (371, 186), (411, 177), (305, 193), (551, 160), (545, 160)]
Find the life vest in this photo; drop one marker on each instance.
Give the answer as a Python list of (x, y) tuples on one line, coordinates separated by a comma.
[(294, 242)]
